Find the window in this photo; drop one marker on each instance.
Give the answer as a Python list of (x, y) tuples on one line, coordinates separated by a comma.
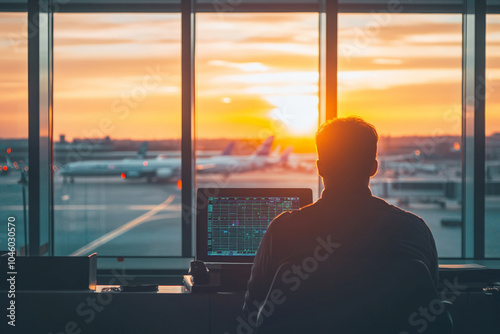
[(492, 213), (117, 89), (13, 127), (257, 85), (117, 84), (402, 73)]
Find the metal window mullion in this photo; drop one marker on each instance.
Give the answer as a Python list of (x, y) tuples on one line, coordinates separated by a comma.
[(479, 128), (328, 64), (40, 122), (33, 128), (322, 74), (72, 7), (331, 58), (50, 131), (188, 140), (347, 6), (403, 7), (473, 129)]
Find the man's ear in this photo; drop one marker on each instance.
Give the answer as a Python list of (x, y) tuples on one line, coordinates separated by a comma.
[(374, 169), (319, 166)]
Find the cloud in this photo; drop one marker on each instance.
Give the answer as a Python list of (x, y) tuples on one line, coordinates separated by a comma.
[(400, 62), (402, 76), (245, 67)]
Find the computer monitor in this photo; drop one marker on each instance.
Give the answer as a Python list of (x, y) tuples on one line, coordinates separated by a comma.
[(231, 222)]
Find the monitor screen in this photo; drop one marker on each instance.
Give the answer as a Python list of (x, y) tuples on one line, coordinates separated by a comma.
[(236, 224), (232, 221)]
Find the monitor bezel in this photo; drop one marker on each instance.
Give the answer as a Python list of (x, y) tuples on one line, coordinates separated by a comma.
[(304, 195)]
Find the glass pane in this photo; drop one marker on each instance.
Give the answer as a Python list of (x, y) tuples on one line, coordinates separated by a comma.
[(402, 73), (13, 127), (492, 137), (257, 89), (117, 129)]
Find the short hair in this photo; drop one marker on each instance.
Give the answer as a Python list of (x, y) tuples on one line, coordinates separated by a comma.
[(348, 146)]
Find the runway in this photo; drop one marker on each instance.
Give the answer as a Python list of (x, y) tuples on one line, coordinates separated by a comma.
[(116, 217)]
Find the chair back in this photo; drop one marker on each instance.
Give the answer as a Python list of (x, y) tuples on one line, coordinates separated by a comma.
[(363, 298)]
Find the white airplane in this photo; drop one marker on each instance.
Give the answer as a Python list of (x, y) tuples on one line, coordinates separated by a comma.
[(399, 164), (164, 169), (227, 165)]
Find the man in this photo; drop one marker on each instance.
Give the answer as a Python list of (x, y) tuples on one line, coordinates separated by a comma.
[(347, 232)]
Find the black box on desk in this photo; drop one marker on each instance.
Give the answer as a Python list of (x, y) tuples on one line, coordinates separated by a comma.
[(70, 273), (224, 277)]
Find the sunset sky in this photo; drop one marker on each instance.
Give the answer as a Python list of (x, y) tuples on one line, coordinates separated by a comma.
[(256, 74)]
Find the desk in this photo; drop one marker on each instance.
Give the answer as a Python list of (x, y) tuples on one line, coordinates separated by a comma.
[(170, 310), (174, 310)]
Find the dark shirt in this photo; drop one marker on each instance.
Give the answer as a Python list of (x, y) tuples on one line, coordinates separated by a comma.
[(355, 226)]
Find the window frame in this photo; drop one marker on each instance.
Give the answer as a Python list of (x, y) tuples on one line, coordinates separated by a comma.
[(40, 93)]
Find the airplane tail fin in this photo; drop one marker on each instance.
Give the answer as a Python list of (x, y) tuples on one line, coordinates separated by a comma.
[(265, 148), (9, 163), (229, 149), (276, 151), (141, 153), (286, 154)]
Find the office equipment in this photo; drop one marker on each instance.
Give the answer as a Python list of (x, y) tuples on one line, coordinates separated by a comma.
[(55, 273), (213, 285), (199, 272), (231, 222), (222, 277)]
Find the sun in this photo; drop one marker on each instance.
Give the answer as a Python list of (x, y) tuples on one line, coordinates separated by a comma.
[(297, 114)]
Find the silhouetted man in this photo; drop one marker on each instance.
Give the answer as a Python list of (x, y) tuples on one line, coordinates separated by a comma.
[(347, 233)]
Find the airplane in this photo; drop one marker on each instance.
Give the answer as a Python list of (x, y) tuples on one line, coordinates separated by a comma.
[(163, 168), (277, 159), (406, 164), (407, 167), (276, 151), (237, 164), (259, 160)]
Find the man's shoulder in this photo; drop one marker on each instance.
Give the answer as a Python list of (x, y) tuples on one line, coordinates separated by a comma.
[(378, 209), (288, 217), (392, 213)]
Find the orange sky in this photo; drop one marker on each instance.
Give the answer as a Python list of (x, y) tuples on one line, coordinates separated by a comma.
[(119, 74)]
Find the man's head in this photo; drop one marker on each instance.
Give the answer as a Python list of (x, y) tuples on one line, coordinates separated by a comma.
[(347, 151)]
